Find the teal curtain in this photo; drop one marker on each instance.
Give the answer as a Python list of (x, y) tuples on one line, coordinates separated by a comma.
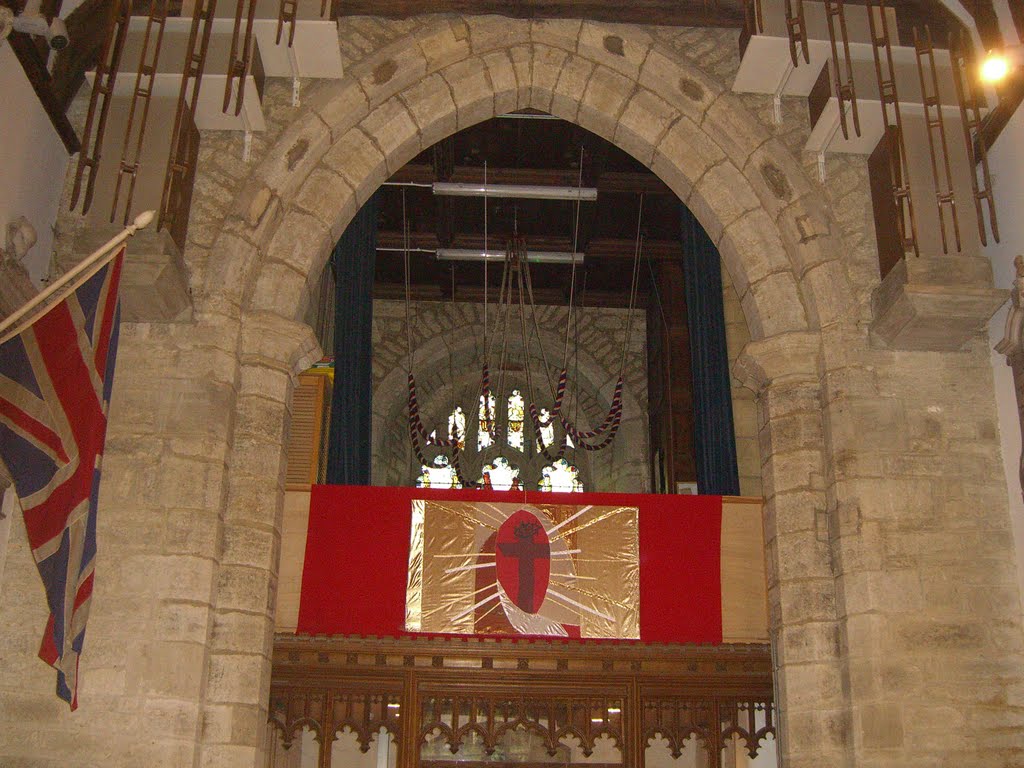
[(349, 453), (714, 435)]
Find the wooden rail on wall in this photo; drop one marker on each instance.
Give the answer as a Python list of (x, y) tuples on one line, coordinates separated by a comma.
[(416, 687)]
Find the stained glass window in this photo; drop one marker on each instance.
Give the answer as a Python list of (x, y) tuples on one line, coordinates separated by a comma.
[(485, 431), (516, 416), (439, 475), (501, 475)]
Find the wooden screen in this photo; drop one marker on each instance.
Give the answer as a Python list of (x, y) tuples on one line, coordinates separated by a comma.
[(450, 693)]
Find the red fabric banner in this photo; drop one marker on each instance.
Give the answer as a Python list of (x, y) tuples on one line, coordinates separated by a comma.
[(357, 566)]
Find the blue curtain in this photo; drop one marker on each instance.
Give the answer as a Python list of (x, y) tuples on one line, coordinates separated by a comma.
[(349, 452), (712, 400)]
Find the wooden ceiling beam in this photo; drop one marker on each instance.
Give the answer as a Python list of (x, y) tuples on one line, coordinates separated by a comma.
[(676, 13), (543, 296), (608, 182)]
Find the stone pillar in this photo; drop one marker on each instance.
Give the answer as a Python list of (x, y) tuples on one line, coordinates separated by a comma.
[(273, 352), (926, 591), (783, 372), (143, 668)]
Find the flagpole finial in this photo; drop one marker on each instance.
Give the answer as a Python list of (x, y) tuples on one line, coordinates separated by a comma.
[(144, 219)]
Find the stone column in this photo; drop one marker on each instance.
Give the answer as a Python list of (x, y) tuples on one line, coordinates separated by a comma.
[(143, 668), (783, 372), (273, 352)]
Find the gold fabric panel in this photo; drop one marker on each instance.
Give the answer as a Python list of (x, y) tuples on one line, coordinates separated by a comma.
[(594, 583)]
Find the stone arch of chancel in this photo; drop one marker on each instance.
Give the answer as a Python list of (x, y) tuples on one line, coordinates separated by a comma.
[(777, 239)]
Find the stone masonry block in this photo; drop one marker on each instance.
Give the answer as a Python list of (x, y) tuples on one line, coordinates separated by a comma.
[(751, 245), (249, 546), (491, 33), (323, 195), (736, 130), (304, 143), (572, 82), (557, 33), (444, 41), (606, 96), (432, 107), (683, 157), (235, 677), (280, 290), (391, 71), (507, 95), (300, 241), (779, 307), (339, 104), (543, 67), (687, 88), (359, 161), (472, 91), (643, 123), (393, 130), (242, 588), (620, 47)]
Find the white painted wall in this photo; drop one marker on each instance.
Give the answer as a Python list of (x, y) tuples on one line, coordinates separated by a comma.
[(1007, 163), (33, 162)]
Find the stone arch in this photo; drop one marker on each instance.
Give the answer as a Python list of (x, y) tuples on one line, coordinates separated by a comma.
[(745, 187), (777, 238)]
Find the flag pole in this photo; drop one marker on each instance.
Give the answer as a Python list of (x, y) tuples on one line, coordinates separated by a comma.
[(93, 259)]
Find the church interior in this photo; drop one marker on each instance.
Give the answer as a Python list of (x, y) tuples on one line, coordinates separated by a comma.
[(752, 262)]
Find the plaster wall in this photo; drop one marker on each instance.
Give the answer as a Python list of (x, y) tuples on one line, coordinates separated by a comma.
[(1007, 164), (33, 160)]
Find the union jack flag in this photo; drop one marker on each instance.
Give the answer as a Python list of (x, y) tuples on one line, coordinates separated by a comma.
[(55, 379)]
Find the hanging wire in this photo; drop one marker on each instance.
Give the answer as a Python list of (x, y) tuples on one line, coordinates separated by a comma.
[(572, 278), (485, 257), (408, 297), (633, 289)]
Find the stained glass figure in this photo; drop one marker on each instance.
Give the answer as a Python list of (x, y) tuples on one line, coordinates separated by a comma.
[(547, 430), (457, 427), (500, 475), (516, 416), (560, 477), (485, 432)]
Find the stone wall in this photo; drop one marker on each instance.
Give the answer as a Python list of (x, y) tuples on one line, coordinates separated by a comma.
[(892, 587)]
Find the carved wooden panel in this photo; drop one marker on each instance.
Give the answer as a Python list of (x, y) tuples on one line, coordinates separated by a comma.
[(479, 692)]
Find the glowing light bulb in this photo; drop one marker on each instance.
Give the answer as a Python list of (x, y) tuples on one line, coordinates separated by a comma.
[(995, 68)]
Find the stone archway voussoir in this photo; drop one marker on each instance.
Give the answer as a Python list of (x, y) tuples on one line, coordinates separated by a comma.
[(329, 198), (340, 104), (358, 160), (300, 241), (391, 128), (642, 125), (507, 95), (777, 177), (433, 109), (471, 90), (280, 290), (607, 95), (688, 89), (572, 83), (488, 34)]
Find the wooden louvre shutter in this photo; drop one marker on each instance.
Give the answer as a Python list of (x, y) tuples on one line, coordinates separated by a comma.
[(307, 444)]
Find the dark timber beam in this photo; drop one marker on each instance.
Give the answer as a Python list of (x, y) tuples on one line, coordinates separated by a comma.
[(35, 69), (677, 13)]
